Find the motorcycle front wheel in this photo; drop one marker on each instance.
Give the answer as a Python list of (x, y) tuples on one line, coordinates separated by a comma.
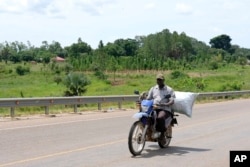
[(136, 141), (165, 141)]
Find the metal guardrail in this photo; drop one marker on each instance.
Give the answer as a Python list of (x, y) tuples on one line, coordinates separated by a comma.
[(76, 100), (223, 94), (49, 101)]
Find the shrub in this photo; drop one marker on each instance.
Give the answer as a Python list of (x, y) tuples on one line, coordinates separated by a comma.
[(57, 79), (99, 74), (76, 84), (178, 74), (231, 87), (68, 68), (213, 65), (20, 70)]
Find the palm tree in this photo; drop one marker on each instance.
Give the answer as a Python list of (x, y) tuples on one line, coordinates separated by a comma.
[(76, 84)]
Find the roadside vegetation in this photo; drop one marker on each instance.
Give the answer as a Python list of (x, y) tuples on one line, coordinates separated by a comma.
[(123, 66), (45, 84)]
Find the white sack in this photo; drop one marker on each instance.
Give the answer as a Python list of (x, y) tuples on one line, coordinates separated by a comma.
[(184, 102)]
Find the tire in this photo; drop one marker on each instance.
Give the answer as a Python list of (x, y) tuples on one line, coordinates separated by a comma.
[(165, 141), (135, 142)]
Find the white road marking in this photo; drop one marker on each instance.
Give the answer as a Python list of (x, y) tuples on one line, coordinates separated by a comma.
[(60, 153), (61, 123)]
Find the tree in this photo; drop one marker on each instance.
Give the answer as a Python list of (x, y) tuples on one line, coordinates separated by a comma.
[(100, 46), (45, 45), (113, 65), (242, 61), (15, 58), (129, 46), (221, 42), (76, 84), (5, 54), (55, 48), (79, 48), (28, 55), (115, 50)]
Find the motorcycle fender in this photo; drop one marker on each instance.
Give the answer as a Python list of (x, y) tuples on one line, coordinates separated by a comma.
[(139, 115)]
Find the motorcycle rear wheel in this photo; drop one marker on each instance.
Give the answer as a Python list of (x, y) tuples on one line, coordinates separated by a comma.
[(135, 138), (165, 141)]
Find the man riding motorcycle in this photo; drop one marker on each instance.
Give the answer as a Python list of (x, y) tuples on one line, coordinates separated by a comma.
[(163, 97)]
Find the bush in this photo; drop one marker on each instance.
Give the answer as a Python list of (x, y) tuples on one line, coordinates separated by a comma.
[(57, 79), (178, 74), (68, 68), (76, 84), (213, 66), (231, 87), (100, 75), (199, 83), (20, 70)]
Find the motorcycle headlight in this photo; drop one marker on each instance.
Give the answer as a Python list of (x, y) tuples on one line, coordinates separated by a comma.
[(144, 108)]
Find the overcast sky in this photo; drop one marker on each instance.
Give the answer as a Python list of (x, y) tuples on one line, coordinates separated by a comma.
[(65, 21)]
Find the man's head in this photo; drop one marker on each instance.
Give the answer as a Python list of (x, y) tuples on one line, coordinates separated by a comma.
[(160, 80)]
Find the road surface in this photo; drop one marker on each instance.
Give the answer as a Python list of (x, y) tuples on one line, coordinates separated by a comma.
[(100, 139)]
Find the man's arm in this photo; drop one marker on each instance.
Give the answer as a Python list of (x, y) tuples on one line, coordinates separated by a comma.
[(150, 94), (171, 99)]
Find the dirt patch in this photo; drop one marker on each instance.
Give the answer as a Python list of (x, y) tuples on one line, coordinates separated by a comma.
[(117, 82)]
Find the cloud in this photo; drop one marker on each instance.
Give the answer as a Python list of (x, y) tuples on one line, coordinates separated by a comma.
[(93, 7), (183, 8), (54, 8), (44, 7), (14, 6), (37, 6), (107, 20), (88, 8), (150, 5)]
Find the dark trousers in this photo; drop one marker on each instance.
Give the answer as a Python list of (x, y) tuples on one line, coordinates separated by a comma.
[(160, 120)]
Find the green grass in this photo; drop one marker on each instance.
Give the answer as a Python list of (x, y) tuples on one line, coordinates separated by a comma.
[(31, 85), (40, 83)]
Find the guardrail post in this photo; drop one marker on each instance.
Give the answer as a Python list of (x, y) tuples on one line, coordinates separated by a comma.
[(99, 106), (75, 108), (46, 110), (12, 112), (119, 105)]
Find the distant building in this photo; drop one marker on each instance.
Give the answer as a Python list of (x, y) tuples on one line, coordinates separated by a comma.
[(58, 59)]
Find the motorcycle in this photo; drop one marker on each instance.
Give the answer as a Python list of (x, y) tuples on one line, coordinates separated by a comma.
[(143, 130)]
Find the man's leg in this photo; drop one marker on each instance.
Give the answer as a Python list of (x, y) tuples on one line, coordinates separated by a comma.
[(160, 121)]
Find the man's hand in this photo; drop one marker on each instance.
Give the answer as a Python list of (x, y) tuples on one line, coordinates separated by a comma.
[(165, 104)]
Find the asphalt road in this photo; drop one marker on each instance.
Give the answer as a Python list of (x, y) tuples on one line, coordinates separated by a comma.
[(100, 139)]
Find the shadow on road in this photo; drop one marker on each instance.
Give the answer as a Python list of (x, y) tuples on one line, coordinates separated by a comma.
[(154, 150)]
